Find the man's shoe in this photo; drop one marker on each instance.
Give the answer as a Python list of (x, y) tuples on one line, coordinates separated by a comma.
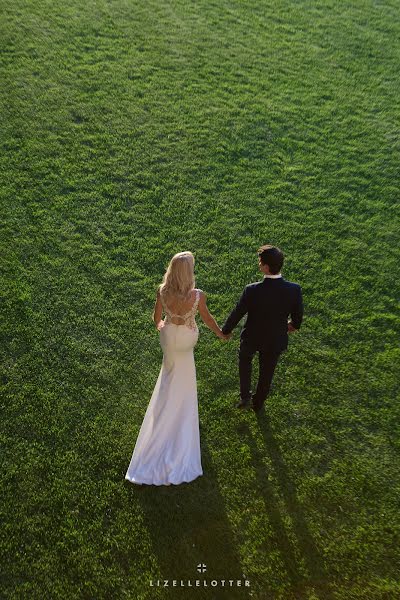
[(254, 406), (244, 403)]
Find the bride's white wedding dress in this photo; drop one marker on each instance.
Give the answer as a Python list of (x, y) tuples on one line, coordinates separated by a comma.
[(167, 449)]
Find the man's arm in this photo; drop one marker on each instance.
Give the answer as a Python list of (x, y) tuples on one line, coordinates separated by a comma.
[(296, 315), (240, 309)]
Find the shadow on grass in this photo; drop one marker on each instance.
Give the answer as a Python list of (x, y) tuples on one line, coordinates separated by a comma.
[(188, 525), (314, 564)]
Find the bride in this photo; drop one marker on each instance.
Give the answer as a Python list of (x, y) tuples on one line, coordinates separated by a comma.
[(167, 449)]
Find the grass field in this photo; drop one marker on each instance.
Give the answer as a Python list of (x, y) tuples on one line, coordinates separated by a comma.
[(134, 130)]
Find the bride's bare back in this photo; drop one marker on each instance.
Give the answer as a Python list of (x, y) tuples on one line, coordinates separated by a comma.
[(180, 312), (179, 309)]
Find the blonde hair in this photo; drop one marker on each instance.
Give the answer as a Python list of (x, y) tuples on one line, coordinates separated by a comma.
[(178, 280)]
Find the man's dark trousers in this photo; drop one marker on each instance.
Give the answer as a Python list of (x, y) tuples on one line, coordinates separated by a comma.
[(267, 360)]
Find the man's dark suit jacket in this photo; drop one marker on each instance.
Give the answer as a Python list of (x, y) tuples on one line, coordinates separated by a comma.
[(268, 303)]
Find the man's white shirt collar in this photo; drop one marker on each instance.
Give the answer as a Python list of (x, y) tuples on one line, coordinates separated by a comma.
[(273, 276)]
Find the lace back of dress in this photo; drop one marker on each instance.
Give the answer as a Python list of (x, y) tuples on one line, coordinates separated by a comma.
[(188, 318)]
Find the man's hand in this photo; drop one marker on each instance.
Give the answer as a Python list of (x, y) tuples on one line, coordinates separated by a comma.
[(290, 327)]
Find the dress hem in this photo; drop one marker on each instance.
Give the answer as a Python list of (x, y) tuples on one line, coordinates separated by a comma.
[(136, 482)]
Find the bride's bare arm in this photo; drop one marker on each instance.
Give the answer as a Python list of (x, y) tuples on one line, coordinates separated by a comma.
[(157, 313), (208, 318)]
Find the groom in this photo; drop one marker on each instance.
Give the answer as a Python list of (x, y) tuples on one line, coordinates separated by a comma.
[(268, 304)]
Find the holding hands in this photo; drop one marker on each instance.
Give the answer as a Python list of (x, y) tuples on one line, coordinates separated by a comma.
[(224, 336)]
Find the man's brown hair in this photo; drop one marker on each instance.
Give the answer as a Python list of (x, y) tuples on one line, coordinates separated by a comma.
[(271, 256)]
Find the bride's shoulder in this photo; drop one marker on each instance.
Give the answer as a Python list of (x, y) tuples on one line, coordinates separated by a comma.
[(161, 295)]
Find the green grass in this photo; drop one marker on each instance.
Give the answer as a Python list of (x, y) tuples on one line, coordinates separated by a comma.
[(134, 130)]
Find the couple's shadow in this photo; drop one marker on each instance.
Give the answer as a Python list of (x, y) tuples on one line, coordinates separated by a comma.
[(189, 526), (304, 565)]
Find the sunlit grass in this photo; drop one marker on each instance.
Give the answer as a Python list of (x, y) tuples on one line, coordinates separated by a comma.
[(131, 131)]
